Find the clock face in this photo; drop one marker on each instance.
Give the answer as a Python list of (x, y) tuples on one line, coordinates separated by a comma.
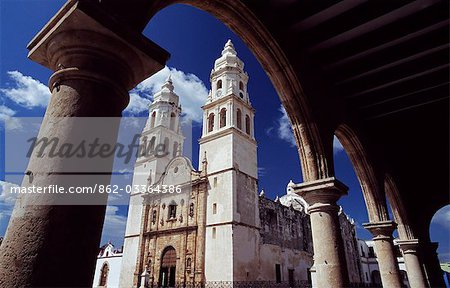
[(219, 93)]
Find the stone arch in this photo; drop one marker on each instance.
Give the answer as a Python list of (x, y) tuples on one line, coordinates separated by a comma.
[(315, 158), (371, 185), (398, 211)]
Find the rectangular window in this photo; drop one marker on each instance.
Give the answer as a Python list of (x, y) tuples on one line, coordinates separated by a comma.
[(214, 208), (277, 273), (214, 233), (172, 211), (371, 252), (215, 181)]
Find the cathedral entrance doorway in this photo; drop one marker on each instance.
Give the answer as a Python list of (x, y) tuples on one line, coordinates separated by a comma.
[(168, 267)]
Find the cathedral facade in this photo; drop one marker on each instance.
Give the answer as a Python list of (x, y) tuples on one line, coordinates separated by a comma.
[(211, 226)]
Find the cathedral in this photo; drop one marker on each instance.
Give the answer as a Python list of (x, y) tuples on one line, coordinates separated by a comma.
[(212, 226), (216, 228)]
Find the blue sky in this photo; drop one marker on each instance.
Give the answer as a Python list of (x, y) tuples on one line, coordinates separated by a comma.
[(195, 39)]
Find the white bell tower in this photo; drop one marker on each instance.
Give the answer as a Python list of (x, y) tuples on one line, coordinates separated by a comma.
[(163, 139), (228, 141)]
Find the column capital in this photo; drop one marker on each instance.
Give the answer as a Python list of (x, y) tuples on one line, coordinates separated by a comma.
[(408, 246), (83, 37), (381, 230), (327, 190)]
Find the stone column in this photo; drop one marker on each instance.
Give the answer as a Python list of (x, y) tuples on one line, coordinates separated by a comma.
[(409, 249), (433, 268), (384, 248), (329, 258), (48, 244)]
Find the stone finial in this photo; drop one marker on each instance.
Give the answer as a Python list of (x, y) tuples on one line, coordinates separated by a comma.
[(277, 199), (290, 187), (291, 183), (204, 165), (229, 48), (168, 84), (262, 193)]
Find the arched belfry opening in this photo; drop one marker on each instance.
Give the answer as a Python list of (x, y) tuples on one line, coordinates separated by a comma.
[(167, 274)]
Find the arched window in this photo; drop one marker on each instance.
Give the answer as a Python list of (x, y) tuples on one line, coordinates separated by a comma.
[(104, 275), (151, 145), (247, 124), (223, 117), (172, 121), (219, 84), (175, 149), (166, 145), (153, 120), (211, 122), (239, 118), (168, 268), (241, 86)]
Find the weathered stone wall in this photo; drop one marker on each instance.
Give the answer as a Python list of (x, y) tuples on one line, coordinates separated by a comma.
[(284, 226), (352, 257)]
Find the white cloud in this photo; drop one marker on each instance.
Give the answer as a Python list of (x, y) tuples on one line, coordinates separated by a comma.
[(442, 217), (6, 196), (7, 201), (114, 226), (189, 87), (284, 131), (337, 146), (30, 93), (6, 116), (26, 91), (137, 104), (284, 128)]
